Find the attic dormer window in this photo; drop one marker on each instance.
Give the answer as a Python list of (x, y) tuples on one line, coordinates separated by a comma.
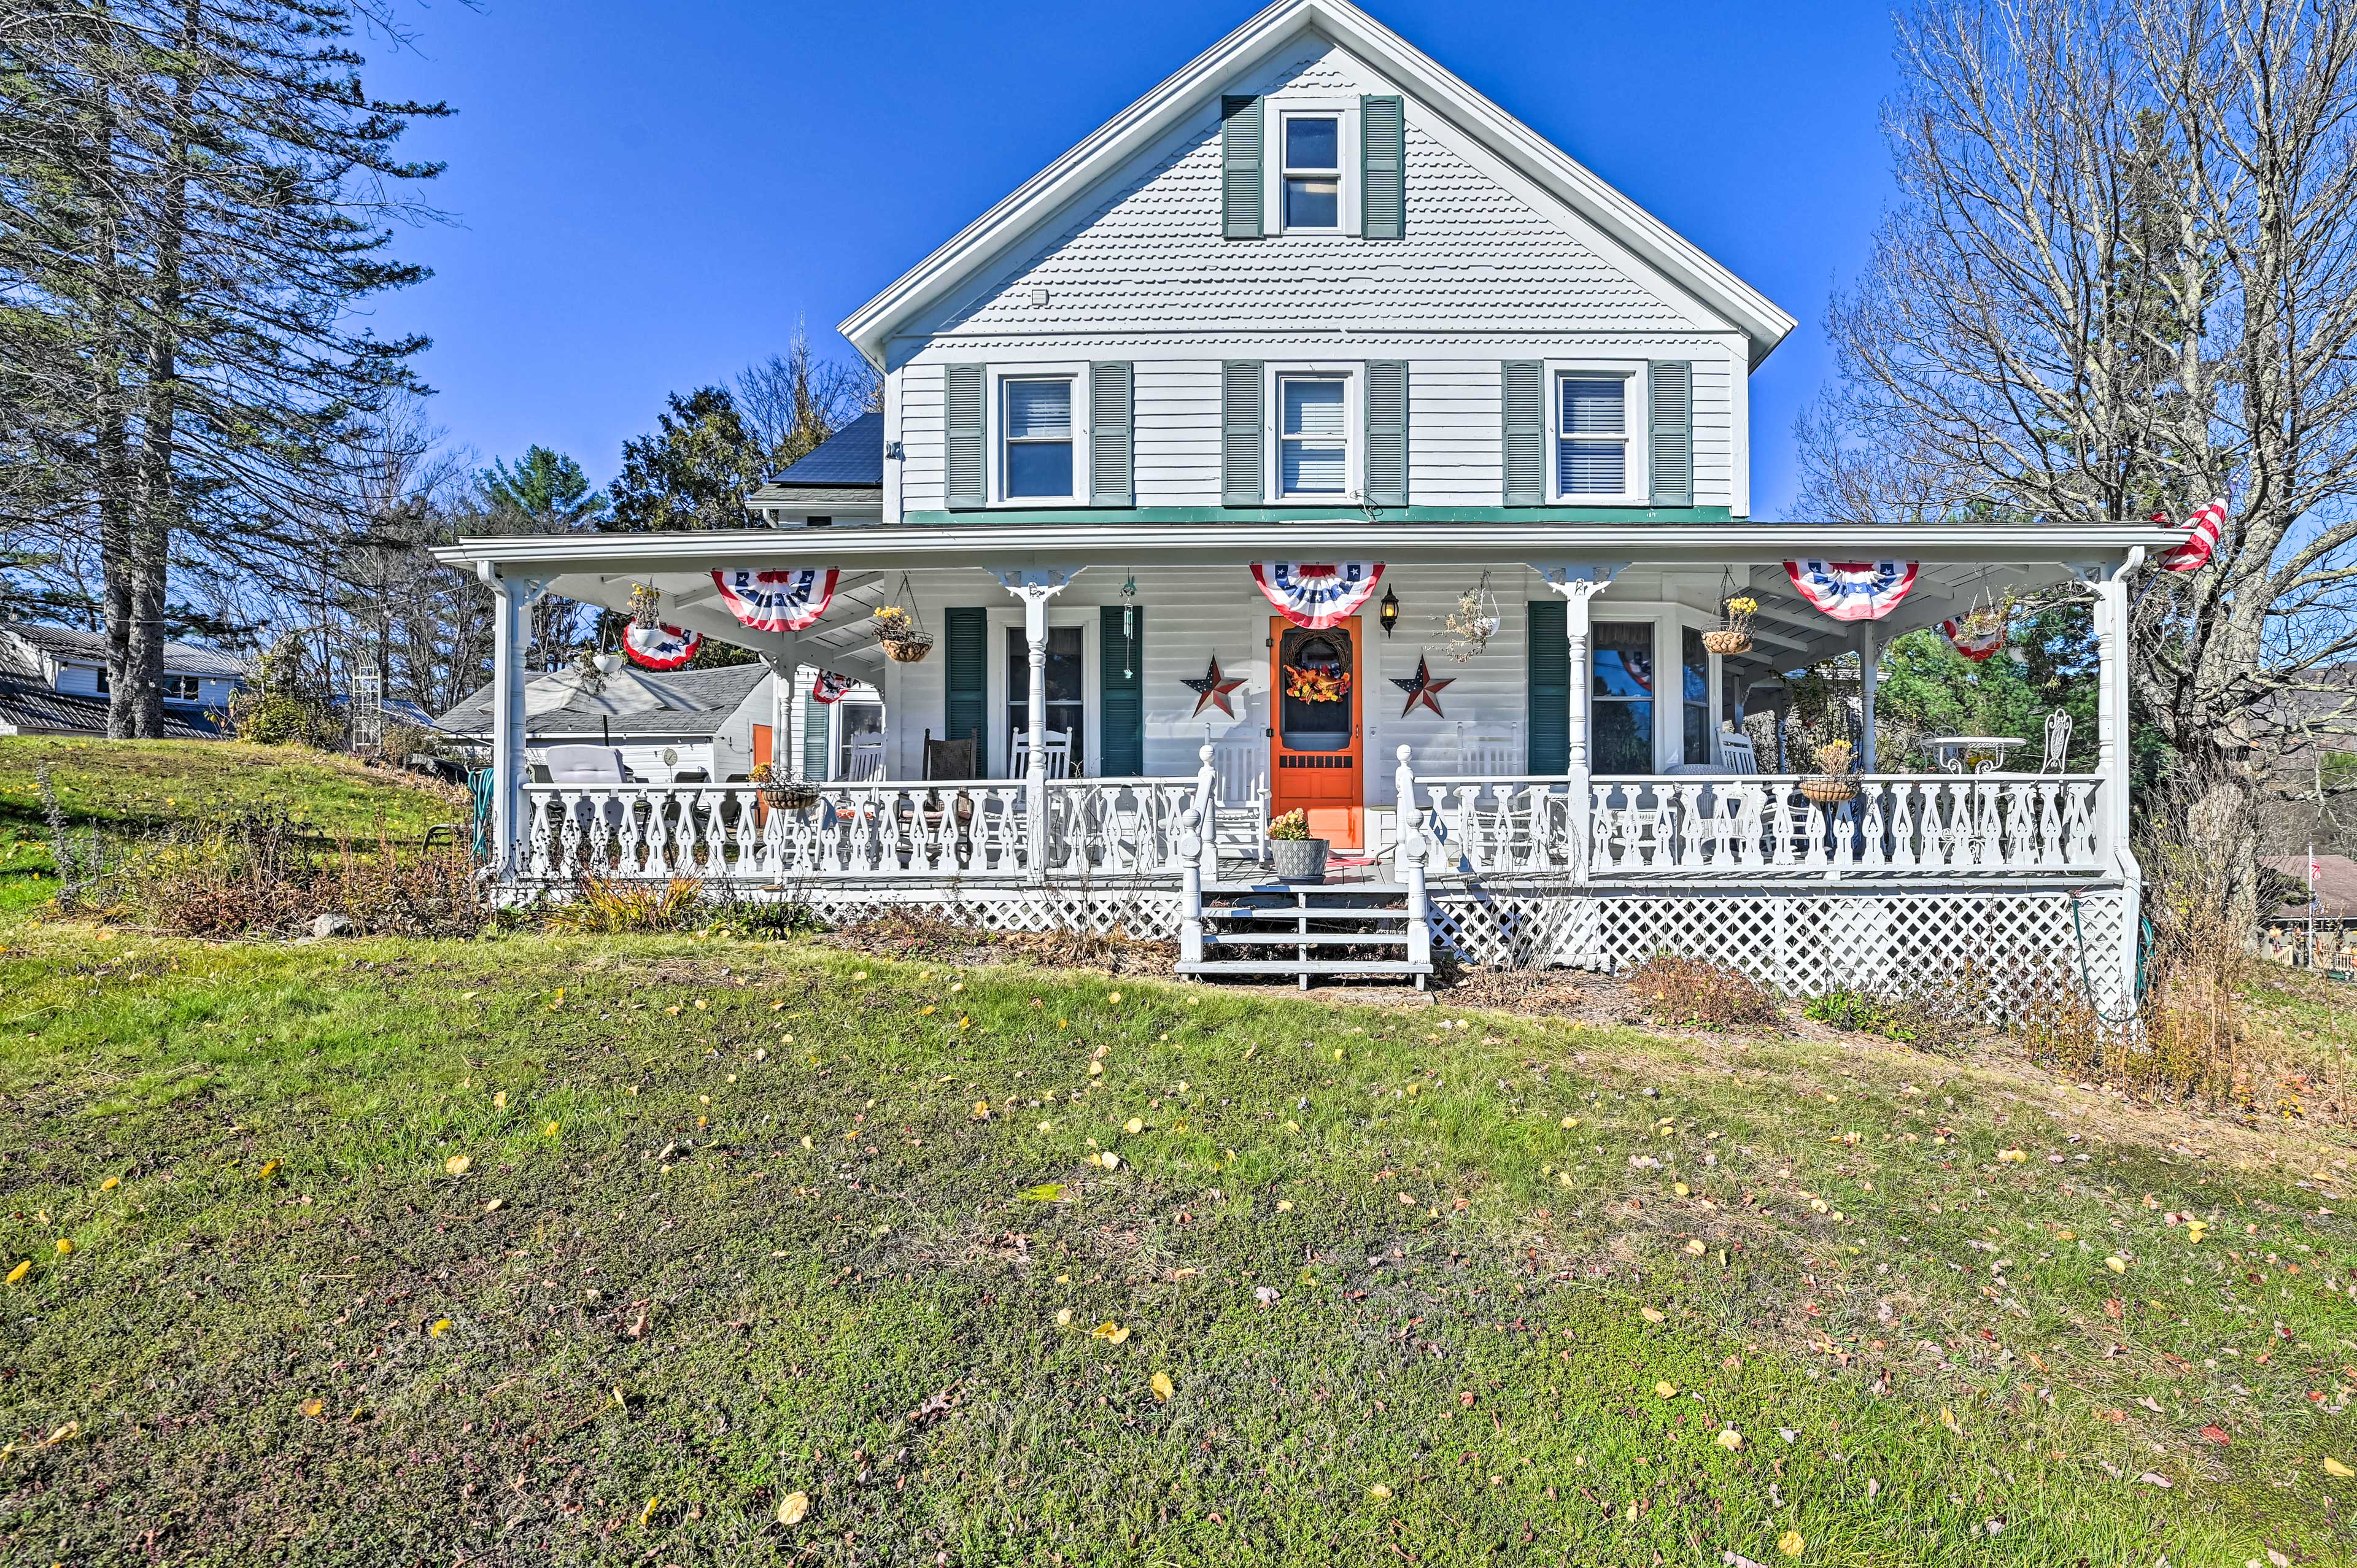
[(1313, 171)]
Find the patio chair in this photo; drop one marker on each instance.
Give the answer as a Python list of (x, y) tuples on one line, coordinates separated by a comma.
[(1736, 753), (865, 761), (2058, 743), (947, 759), (1059, 749)]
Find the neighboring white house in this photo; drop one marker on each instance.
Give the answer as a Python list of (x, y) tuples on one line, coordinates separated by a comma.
[(1313, 310), (53, 680)]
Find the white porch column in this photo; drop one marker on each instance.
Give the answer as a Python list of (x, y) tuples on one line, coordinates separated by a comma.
[(510, 598), (783, 661), (1869, 675), (2112, 751), (1035, 587), (1578, 584)]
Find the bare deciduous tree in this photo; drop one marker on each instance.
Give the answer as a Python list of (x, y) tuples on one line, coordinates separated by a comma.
[(2121, 277)]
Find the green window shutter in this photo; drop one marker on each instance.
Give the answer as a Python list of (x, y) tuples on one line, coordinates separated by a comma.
[(1382, 168), (1241, 480), (814, 728), (1548, 683), (1241, 121), (1111, 402), (966, 710), (962, 465), (1387, 433), (1121, 685), (1524, 396), (1671, 420)]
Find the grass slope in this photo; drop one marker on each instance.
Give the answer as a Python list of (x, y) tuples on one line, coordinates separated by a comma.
[(739, 1221), (136, 786)]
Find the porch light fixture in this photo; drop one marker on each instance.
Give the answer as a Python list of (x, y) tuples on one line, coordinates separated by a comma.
[(1389, 612)]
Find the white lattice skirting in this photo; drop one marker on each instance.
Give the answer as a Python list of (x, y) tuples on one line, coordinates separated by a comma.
[(1146, 914), (1804, 943)]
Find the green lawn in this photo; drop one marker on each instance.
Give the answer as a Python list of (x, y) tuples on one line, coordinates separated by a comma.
[(738, 1221), (127, 787)]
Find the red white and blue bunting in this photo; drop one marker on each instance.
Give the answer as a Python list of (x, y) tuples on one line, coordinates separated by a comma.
[(831, 687), (1317, 595), (1853, 590), (1974, 646), (661, 647), (786, 599), (2201, 532)]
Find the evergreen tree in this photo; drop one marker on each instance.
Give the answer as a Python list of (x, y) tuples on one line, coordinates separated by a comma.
[(694, 472)]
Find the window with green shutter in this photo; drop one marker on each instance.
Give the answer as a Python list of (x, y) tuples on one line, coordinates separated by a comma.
[(1387, 433), (1120, 690), (962, 482), (965, 708), (1240, 196), (1523, 400), (1241, 482), (1112, 399), (1548, 683), (1382, 168), (1671, 447)]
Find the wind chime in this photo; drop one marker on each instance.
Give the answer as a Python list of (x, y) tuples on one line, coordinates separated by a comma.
[(1129, 627)]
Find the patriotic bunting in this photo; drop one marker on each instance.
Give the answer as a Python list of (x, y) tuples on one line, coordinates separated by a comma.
[(1317, 595), (788, 599), (1976, 646), (661, 647), (831, 687), (2201, 539), (1853, 590)]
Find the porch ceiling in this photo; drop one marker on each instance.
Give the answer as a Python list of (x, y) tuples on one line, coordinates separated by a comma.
[(1956, 564)]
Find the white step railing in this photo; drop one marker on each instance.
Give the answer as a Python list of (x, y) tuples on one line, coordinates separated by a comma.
[(854, 831)]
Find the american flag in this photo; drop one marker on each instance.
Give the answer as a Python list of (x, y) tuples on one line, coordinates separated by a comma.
[(2201, 538)]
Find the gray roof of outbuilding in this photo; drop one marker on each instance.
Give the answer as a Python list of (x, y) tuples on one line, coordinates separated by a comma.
[(694, 703), (853, 455), (90, 647), (33, 708)]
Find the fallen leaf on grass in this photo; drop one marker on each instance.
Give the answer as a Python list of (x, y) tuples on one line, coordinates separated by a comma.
[(16, 1275), (647, 1513), (1380, 1492), (2335, 1467), (1134, 1126), (65, 1245), (1111, 1333), (66, 1433), (456, 1164), (2216, 1435), (440, 1327), (110, 1184), (1650, 1314), (1161, 1386), (1046, 1192), (1790, 1543), (795, 1508), (1666, 1389), (313, 1407)]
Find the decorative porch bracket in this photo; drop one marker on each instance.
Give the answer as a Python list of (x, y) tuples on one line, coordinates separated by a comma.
[(1034, 585), (1578, 582), (511, 597), (2109, 582)]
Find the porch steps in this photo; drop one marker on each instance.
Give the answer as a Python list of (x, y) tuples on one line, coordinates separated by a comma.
[(1263, 929)]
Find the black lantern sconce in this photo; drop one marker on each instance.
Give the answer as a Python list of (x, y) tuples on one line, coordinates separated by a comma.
[(1389, 614)]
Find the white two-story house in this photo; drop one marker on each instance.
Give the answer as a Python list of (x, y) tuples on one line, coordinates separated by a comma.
[(53, 680), (1314, 436)]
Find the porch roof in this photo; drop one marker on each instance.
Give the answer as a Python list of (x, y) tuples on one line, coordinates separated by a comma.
[(1957, 562)]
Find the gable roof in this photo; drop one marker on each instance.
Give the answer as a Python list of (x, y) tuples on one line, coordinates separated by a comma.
[(28, 707), (853, 455), (1435, 89), (90, 648)]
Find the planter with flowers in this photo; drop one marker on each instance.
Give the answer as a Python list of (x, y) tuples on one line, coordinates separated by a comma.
[(1837, 783), (1293, 854)]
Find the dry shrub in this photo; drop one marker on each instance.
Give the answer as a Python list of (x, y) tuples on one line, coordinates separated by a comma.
[(915, 930), (1669, 989), (259, 872), (602, 906), (1114, 953)]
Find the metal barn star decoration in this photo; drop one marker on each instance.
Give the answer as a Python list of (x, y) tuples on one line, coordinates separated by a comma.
[(1212, 689), (1422, 689)]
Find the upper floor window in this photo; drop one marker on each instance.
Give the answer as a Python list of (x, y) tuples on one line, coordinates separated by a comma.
[(1037, 460), (1592, 436), (1313, 457), (1313, 171)]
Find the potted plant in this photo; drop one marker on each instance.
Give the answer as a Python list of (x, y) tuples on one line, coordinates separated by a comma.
[(1837, 783), (1733, 635), (1293, 854), (785, 794)]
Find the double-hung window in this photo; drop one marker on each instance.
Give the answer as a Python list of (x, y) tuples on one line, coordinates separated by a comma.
[(1592, 436), (1035, 461), (1313, 171), (1313, 437)]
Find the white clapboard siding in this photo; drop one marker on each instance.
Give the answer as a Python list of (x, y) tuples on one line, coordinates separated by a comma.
[(1175, 433), (1453, 447), (920, 388)]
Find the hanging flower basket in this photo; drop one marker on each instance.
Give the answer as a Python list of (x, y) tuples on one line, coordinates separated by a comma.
[(1733, 634), (899, 631), (1473, 623), (784, 794), (646, 606), (1836, 785)]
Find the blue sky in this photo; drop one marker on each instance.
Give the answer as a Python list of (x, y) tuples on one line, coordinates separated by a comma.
[(644, 198)]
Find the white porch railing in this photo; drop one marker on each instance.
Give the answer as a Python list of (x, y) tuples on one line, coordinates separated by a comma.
[(859, 831), (1901, 826)]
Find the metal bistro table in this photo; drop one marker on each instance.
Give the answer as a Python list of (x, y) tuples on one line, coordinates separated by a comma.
[(1949, 751)]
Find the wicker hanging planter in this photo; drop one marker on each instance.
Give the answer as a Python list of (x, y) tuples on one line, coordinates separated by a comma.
[(646, 606), (1473, 623), (1836, 785), (1733, 634), (784, 794), (899, 629)]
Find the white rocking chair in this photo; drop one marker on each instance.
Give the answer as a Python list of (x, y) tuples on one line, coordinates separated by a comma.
[(1058, 750)]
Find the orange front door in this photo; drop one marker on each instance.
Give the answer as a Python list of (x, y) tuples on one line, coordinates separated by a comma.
[(1313, 750)]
